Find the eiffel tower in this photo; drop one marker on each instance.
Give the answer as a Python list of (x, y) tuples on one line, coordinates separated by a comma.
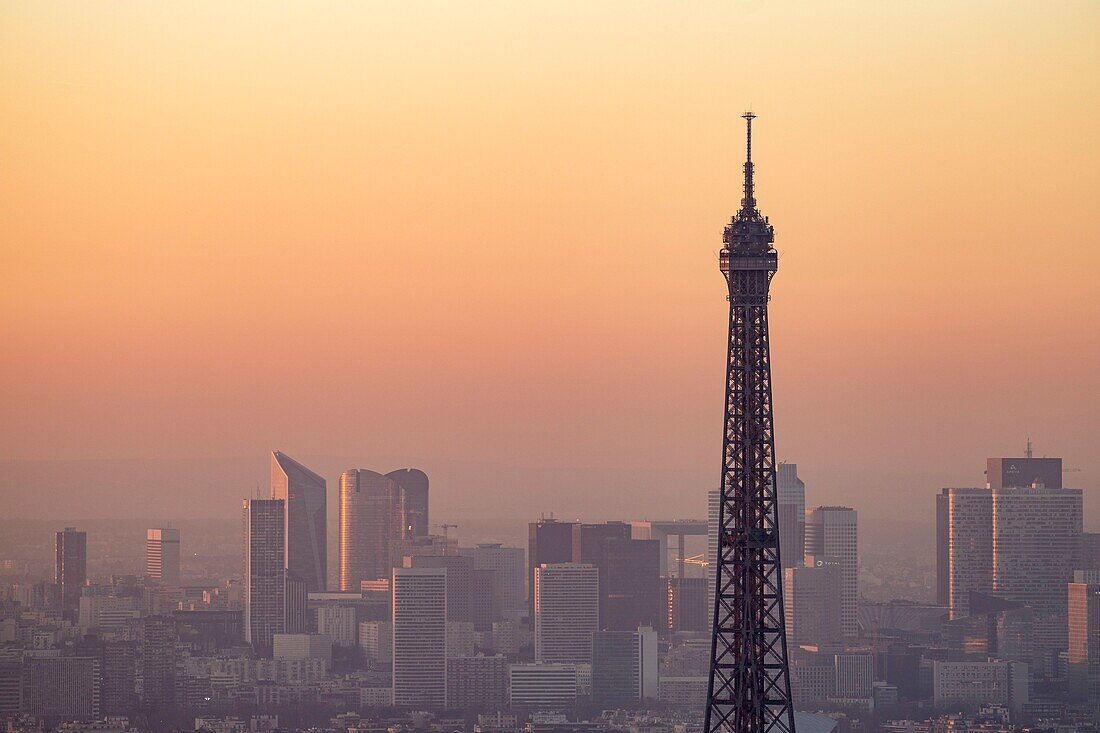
[(750, 687)]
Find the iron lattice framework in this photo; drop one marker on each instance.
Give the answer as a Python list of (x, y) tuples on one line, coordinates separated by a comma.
[(750, 688)]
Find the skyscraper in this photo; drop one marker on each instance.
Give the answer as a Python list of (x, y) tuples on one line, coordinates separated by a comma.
[(631, 592), (831, 533), (1084, 641), (371, 516), (688, 604), (265, 577), (624, 666), (548, 541), (162, 556), (813, 604), (714, 508), (158, 660), (377, 511), (1036, 538), (566, 612), (460, 571), (749, 689), (306, 520), (590, 539), (790, 494), (507, 564), (419, 637), (71, 569), (414, 489), (1018, 543), (965, 553)]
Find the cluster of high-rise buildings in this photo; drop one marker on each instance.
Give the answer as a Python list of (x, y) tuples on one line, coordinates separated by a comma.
[(613, 613)]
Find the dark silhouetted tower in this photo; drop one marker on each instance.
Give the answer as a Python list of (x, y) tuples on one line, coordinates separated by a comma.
[(750, 688), (71, 569)]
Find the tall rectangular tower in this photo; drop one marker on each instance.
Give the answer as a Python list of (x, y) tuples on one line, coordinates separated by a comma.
[(1036, 540), (306, 520), (548, 541), (1084, 641), (831, 533), (790, 494), (566, 612), (162, 556), (631, 591), (71, 569), (419, 637), (265, 577), (966, 538)]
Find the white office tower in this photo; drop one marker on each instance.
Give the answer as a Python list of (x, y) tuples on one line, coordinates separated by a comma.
[(831, 532), (790, 494), (420, 637), (567, 611), (542, 685), (162, 556)]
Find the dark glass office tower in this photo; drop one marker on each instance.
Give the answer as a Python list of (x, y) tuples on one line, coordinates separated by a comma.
[(306, 520), (71, 569)]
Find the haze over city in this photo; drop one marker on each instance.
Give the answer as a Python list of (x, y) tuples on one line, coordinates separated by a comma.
[(480, 239)]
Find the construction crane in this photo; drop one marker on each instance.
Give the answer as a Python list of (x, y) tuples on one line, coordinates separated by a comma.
[(699, 560), (446, 527)]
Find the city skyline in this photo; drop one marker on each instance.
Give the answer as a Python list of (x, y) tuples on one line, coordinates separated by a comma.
[(459, 260), (597, 243)]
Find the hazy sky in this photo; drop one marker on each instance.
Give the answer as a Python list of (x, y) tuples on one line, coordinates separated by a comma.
[(485, 233)]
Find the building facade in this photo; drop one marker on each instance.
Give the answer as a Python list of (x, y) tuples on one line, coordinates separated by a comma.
[(306, 520), (265, 582), (419, 637), (377, 511), (624, 666), (566, 612), (831, 532), (548, 542), (544, 685), (162, 556), (790, 495), (71, 569), (813, 606), (1083, 654), (507, 564)]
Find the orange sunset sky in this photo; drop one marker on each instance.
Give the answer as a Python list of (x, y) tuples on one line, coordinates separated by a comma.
[(480, 237)]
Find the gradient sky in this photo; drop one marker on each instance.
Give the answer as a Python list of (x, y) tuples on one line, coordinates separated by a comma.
[(486, 233)]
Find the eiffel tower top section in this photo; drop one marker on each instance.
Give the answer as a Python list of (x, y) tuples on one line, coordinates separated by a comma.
[(748, 233)]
